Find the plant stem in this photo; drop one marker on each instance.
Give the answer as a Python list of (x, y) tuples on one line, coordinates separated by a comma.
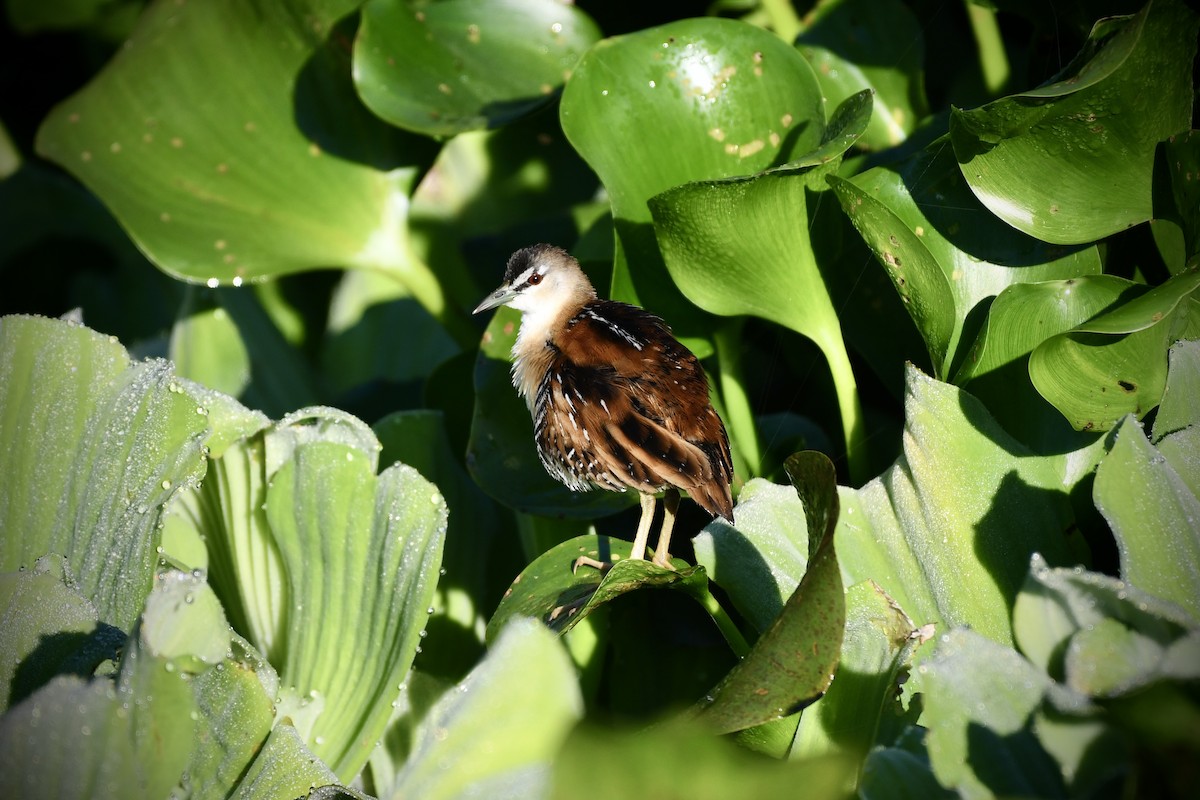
[(739, 415), (784, 20), (846, 387), (732, 635), (993, 61)]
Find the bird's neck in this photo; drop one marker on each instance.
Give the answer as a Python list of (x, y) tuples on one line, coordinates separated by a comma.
[(534, 348)]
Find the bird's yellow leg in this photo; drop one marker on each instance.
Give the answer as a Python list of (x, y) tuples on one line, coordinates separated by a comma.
[(643, 531), (662, 556)]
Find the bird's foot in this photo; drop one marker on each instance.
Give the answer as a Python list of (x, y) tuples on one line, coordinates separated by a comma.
[(588, 561)]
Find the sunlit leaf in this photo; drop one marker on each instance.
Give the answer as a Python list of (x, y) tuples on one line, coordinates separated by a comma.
[(1089, 136), (444, 68), (92, 446), (855, 45), (496, 733), (1115, 363), (693, 100)]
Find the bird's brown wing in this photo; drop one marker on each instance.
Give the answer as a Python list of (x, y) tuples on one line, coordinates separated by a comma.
[(642, 399)]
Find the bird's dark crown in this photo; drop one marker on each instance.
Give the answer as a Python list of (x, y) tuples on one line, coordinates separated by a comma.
[(526, 257)]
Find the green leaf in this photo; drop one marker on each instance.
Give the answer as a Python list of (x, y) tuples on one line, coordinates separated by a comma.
[(1176, 222), (45, 623), (979, 698), (868, 44), (125, 737), (1116, 363), (502, 455), (943, 251), (948, 530), (92, 447), (1094, 633), (445, 68), (1153, 514), (693, 100), (680, 759), (792, 663), (360, 555), (555, 591), (878, 643), (495, 733), (262, 163), (1090, 136), (719, 238), (287, 768), (758, 563)]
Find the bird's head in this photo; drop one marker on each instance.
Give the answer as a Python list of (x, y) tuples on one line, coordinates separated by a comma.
[(542, 280)]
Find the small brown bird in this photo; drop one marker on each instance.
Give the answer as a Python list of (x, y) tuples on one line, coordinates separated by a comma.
[(617, 402)]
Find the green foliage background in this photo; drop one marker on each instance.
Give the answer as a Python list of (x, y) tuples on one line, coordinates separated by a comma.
[(271, 519)]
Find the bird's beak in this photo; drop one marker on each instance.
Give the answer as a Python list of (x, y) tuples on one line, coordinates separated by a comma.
[(496, 298)]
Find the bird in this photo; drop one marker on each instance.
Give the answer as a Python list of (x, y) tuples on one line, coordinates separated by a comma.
[(617, 402)]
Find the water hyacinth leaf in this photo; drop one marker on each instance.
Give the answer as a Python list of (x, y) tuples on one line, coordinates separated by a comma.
[(360, 555), (93, 446), (718, 237), (980, 697), (878, 643), (501, 453), (1116, 363), (693, 100), (1154, 515), (793, 661), (1176, 222), (1178, 411), (45, 623), (180, 155), (948, 530), (945, 253), (497, 732), (445, 68), (855, 45), (1090, 136), (555, 591)]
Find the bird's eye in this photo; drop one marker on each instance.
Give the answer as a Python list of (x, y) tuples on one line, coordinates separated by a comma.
[(535, 279)]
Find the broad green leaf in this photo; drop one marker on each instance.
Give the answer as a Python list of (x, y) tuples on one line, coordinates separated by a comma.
[(285, 767), (720, 241), (979, 700), (680, 759), (92, 446), (693, 100), (128, 736), (235, 715), (1094, 633), (868, 44), (944, 252), (45, 623), (228, 141), (360, 555), (501, 454), (1090, 136), (891, 773), (1154, 515), (207, 348), (497, 732), (1021, 318), (878, 643), (112, 19), (559, 594), (759, 562), (1176, 222), (444, 68), (1116, 363), (793, 661), (948, 530), (1178, 410)]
